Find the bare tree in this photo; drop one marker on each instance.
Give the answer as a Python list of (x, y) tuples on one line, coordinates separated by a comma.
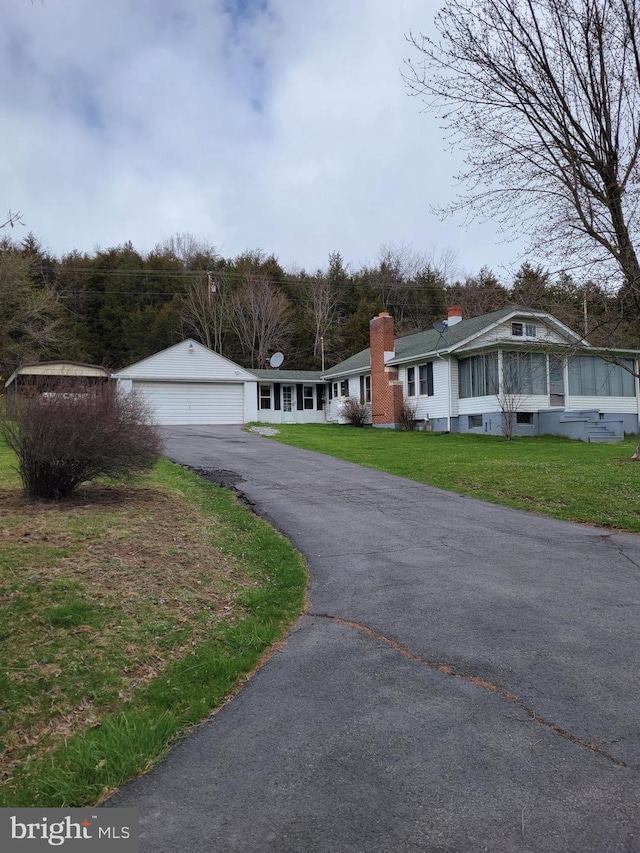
[(206, 309), (523, 375), (260, 317), (30, 316), (543, 96), (322, 305), (186, 248), (12, 219)]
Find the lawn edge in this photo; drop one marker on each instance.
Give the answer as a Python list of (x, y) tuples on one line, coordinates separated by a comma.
[(94, 763)]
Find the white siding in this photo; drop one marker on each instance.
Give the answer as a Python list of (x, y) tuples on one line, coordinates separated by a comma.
[(436, 406), (479, 405), (502, 334), (187, 361), (603, 404), (194, 402), (298, 416)]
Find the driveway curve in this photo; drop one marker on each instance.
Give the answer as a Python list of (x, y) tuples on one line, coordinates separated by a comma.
[(465, 678)]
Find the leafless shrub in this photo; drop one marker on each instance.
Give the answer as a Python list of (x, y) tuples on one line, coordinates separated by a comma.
[(354, 412), (64, 438), (408, 415)]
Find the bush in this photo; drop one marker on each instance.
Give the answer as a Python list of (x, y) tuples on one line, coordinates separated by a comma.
[(408, 416), (64, 439), (354, 412)]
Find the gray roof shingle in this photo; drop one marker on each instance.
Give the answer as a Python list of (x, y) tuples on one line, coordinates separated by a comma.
[(426, 343), (273, 375)]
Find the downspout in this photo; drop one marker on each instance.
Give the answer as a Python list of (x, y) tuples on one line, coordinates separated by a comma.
[(637, 377)]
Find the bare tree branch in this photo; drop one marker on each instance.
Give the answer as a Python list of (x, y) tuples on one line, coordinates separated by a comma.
[(543, 98)]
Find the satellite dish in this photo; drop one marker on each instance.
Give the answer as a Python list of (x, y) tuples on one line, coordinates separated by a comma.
[(440, 326), (276, 359)]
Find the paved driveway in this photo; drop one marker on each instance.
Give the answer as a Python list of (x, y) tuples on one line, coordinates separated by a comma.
[(465, 678)]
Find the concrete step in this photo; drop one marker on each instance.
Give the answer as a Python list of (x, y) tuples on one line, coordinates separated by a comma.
[(602, 434)]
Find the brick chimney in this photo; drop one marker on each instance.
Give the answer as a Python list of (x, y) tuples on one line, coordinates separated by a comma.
[(386, 389), (454, 315)]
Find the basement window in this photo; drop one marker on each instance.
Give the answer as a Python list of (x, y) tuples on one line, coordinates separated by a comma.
[(524, 417), (475, 421)]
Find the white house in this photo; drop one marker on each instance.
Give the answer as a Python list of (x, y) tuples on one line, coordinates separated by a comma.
[(467, 375), (463, 376), (189, 384)]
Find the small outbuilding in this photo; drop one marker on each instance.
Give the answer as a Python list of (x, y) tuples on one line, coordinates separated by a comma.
[(53, 377)]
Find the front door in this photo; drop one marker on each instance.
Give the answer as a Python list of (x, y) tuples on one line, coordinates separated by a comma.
[(288, 404)]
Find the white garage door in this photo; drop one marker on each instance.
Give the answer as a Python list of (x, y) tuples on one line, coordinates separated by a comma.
[(194, 402)]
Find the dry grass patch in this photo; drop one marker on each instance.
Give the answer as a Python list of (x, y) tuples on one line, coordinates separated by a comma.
[(97, 596)]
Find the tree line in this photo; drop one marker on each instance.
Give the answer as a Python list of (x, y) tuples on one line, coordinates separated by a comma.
[(119, 305)]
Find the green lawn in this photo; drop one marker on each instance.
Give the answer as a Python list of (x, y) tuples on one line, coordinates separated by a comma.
[(571, 480), (126, 615)]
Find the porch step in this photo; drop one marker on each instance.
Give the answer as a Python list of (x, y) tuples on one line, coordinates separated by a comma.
[(602, 435)]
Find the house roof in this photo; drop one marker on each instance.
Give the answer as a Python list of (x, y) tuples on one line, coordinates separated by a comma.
[(59, 368), (273, 375), (424, 344)]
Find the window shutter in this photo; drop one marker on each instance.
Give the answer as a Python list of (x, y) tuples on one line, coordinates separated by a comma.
[(276, 396), (319, 396), (299, 399)]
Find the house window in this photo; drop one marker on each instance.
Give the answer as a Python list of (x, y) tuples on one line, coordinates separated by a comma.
[(590, 376), (335, 389), (527, 330), (265, 396), (344, 388), (475, 421), (307, 396), (524, 417), (478, 375), (365, 389), (425, 372), (411, 382), (524, 373)]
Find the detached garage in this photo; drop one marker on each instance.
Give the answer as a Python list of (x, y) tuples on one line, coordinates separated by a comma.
[(190, 384)]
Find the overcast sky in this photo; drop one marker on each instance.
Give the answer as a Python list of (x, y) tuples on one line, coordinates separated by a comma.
[(282, 125)]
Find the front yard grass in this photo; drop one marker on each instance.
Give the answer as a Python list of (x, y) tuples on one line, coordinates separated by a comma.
[(592, 483), (126, 615)]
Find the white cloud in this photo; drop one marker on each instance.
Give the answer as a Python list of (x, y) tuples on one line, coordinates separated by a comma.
[(283, 126)]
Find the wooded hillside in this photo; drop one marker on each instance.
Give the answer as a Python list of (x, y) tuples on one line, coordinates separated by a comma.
[(119, 305)]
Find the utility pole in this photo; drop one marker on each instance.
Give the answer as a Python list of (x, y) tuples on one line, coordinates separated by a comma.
[(211, 287), (585, 313)]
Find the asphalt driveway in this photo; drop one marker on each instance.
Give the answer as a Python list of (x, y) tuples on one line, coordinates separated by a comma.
[(465, 678)]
